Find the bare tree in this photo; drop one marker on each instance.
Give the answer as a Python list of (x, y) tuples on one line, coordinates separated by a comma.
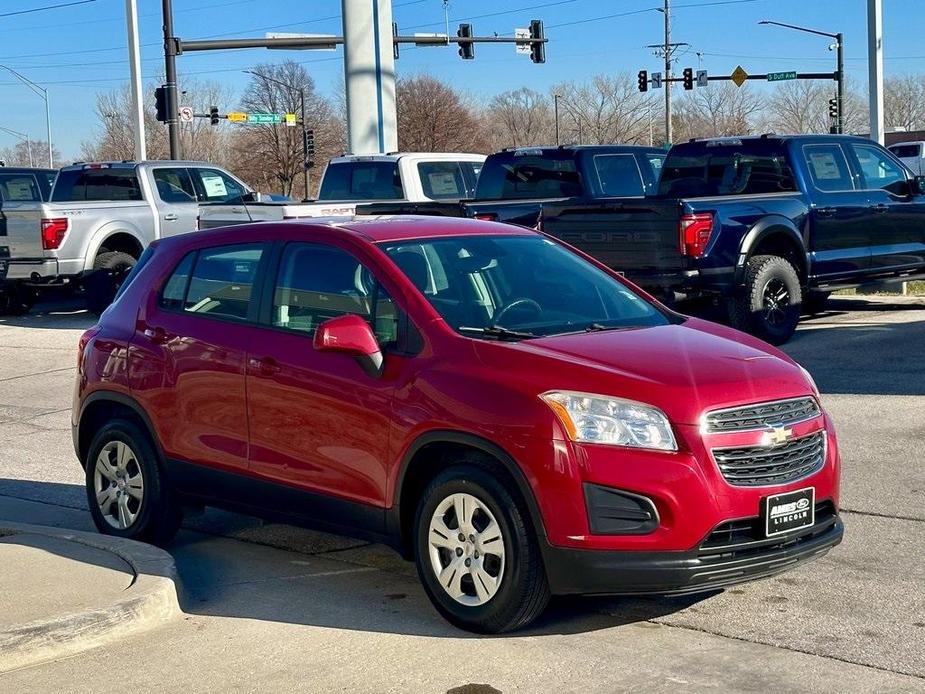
[(716, 111), (904, 102), (19, 154), (606, 110), (520, 117), (803, 107), (271, 156), (433, 117)]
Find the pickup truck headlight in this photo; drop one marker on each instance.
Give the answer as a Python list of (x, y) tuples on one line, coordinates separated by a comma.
[(612, 421)]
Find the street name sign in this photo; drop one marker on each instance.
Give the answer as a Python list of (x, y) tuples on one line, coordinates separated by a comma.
[(781, 76), (264, 118)]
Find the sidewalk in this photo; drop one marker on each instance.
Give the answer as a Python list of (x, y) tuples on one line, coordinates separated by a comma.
[(63, 591)]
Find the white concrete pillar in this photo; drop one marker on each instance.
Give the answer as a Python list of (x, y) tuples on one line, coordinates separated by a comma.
[(369, 76), (875, 68)]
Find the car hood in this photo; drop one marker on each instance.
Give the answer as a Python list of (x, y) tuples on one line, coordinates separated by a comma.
[(683, 369)]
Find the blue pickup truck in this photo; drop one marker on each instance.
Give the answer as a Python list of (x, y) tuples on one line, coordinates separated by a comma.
[(770, 225)]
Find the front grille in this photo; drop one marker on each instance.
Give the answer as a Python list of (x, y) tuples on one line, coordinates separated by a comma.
[(761, 416), (755, 466), (747, 534)]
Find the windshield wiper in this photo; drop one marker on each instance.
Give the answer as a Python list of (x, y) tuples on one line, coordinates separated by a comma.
[(498, 332)]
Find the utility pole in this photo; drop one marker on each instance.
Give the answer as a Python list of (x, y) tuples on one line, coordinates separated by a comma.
[(668, 50), (170, 73), (134, 59)]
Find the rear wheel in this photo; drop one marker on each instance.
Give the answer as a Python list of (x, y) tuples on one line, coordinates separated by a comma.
[(769, 304), (109, 270), (127, 493), (477, 553), (17, 299)]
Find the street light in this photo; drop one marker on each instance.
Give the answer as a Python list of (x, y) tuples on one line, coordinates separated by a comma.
[(839, 64), (572, 113), (21, 136), (304, 131), (42, 92)]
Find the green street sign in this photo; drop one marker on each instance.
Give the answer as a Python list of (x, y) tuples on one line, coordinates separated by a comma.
[(781, 76), (264, 118)]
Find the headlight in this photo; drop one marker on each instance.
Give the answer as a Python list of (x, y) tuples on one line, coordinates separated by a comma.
[(600, 419)]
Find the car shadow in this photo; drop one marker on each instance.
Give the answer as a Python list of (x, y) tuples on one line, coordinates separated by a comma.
[(54, 312), (358, 587)]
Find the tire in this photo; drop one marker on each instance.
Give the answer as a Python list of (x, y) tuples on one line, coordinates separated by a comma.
[(814, 302), (109, 269), (769, 304), (154, 517), (513, 580), (17, 300)]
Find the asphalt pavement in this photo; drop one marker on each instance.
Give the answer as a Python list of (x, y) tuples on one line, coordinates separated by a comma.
[(270, 606)]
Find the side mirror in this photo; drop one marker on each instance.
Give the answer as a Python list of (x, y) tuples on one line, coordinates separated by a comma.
[(918, 185), (351, 335)]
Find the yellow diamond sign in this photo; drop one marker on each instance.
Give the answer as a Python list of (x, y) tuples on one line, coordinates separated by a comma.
[(739, 76)]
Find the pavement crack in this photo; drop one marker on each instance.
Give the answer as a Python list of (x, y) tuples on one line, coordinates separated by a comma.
[(874, 514), (37, 373)]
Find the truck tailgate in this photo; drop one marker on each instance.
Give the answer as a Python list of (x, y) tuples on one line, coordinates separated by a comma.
[(637, 237), (22, 224)]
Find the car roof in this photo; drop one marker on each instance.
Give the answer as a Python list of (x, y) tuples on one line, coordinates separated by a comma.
[(25, 169), (395, 156), (583, 148)]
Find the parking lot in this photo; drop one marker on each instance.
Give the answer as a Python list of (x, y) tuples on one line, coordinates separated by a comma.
[(307, 611)]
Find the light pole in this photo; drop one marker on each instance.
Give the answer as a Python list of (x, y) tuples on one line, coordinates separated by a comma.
[(555, 99), (304, 131), (42, 92), (839, 64), (21, 136)]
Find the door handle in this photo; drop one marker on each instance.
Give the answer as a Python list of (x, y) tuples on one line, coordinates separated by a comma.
[(266, 366), (157, 335), (881, 208), (826, 211), (170, 217)]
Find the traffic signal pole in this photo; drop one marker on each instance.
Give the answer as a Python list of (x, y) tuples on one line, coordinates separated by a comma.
[(170, 72)]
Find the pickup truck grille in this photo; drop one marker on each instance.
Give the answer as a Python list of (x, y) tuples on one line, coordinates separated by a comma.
[(755, 466), (762, 415)]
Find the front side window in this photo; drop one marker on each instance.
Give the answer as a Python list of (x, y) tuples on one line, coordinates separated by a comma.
[(523, 283), (174, 185), (828, 167), (442, 180), (217, 186), (318, 282), (879, 170), (19, 188), (217, 282)]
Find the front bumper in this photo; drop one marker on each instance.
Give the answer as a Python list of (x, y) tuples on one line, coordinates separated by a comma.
[(733, 553)]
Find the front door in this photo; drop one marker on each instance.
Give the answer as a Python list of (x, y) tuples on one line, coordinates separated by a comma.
[(189, 355), (897, 229), (839, 216), (317, 420), (177, 207)]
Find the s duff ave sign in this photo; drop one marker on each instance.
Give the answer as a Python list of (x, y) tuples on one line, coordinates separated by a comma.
[(781, 76)]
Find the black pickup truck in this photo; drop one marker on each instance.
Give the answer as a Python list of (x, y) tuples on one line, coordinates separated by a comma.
[(769, 224), (515, 184)]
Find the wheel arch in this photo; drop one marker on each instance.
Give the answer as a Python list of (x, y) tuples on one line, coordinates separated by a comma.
[(426, 457), (774, 235), (115, 237), (102, 406)]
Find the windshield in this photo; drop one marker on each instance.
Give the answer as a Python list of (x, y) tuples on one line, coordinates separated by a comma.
[(527, 284)]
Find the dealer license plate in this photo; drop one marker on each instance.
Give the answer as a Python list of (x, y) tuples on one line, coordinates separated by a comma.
[(784, 513)]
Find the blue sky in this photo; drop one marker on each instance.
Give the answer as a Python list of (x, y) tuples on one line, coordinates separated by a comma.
[(80, 50)]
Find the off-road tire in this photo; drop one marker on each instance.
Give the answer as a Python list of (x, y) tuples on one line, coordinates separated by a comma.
[(109, 270), (768, 306)]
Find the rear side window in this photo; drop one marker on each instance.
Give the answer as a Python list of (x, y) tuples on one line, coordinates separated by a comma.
[(828, 167), (19, 188), (361, 180), (725, 171), (906, 151), (529, 174), (217, 282), (174, 185), (107, 184), (618, 174), (443, 180)]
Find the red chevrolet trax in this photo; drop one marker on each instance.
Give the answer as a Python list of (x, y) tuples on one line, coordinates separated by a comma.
[(505, 411)]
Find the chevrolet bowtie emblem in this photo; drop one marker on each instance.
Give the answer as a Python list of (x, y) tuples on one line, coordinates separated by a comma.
[(778, 435)]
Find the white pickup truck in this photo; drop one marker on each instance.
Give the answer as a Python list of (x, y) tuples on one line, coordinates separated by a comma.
[(356, 179), (912, 154), (101, 216)]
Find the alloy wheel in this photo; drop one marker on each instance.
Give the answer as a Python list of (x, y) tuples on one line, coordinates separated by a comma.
[(775, 302), (118, 484), (466, 549)]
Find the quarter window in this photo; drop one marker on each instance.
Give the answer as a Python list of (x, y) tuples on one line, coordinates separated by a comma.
[(828, 167), (879, 170), (317, 282)]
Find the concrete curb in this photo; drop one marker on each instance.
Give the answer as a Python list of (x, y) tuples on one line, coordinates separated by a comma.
[(151, 599)]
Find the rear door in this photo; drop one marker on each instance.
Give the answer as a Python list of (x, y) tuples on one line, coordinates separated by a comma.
[(177, 206), (896, 233), (20, 229), (839, 213)]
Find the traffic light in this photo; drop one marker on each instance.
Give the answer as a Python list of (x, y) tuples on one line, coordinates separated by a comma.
[(160, 104), (688, 78), (310, 146), (538, 49), (643, 81), (213, 115), (466, 48), (833, 107)]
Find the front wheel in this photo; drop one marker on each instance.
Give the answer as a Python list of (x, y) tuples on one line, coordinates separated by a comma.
[(477, 553), (769, 304)]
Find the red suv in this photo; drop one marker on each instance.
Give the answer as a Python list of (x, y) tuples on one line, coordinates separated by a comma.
[(509, 413)]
